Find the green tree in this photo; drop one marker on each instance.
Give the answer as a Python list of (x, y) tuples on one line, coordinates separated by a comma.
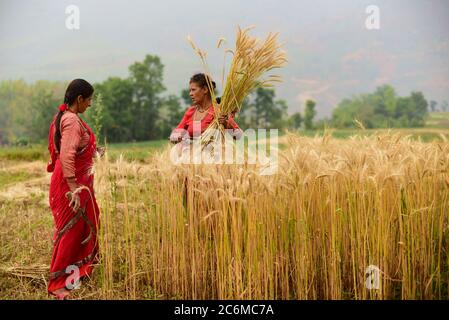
[(385, 100), (412, 110), (323, 124), (420, 109), (117, 98), (170, 114), (279, 115), (309, 114), (242, 117), (26, 109), (265, 112), (382, 109), (44, 108), (5, 111), (147, 81), (433, 105), (344, 113), (263, 107), (98, 116), (261, 110), (295, 121), (19, 97), (185, 97)]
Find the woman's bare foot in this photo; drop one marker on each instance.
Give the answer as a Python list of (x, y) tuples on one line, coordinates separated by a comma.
[(61, 294)]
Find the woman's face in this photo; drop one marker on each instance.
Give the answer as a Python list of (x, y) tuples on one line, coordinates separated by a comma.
[(197, 93), (83, 104)]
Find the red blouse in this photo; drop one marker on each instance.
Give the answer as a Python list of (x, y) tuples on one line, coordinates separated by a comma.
[(74, 138), (187, 121)]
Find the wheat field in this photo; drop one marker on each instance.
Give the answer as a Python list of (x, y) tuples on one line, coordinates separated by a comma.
[(334, 208)]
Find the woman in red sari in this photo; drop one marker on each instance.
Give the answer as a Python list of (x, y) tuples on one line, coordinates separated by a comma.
[(72, 147), (201, 110)]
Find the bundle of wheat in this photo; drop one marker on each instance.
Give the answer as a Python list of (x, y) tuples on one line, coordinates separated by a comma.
[(37, 271), (251, 60)]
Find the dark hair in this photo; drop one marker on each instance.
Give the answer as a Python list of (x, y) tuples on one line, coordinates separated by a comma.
[(78, 87), (201, 80)]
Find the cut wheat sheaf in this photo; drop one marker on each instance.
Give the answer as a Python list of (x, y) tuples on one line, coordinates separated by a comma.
[(252, 59)]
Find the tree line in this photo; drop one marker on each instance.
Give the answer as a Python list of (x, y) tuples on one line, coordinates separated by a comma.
[(138, 108), (382, 109), (134, 108)]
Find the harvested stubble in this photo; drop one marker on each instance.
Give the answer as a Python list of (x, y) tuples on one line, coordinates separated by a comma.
[(37, 271), (308, 232)]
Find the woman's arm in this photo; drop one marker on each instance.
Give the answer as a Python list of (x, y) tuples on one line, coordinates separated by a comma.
[(71, 132), (180, 130), (229, 123)]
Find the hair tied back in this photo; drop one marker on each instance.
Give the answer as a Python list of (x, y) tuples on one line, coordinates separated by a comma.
[(63, 107)]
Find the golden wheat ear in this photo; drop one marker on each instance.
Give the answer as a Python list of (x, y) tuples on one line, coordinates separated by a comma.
[(252, 59)]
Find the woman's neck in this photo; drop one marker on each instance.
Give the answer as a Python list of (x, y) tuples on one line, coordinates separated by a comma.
[(204, 105), (73, 109)]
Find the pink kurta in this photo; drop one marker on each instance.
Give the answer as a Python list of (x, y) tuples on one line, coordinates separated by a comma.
[(187, 121), (74, 137)]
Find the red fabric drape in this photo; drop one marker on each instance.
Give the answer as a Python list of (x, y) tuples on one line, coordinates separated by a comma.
[(186, 122), (75, 237)]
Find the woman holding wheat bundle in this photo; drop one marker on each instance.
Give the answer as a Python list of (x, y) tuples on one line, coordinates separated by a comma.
[(72, 147), (201, 111), (251, 59)]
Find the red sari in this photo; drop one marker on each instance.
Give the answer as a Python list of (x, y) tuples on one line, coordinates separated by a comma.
[(75, 237)]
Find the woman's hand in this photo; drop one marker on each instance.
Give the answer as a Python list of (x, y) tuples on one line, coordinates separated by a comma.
[(223, 120), (238, 133), (100, 151), (175, 137), (72, 195), (75, 201)]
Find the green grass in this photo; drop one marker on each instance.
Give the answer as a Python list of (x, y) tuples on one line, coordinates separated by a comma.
[(7, 178), (135, 151), (438, 120), (29, 153)]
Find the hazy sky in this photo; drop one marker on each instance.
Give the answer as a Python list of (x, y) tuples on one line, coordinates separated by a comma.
[(332, 55)]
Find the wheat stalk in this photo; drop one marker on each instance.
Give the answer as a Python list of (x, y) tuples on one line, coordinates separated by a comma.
[(252, 59)]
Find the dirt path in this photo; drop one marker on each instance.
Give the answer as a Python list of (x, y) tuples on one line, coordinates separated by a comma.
[(31, 167), (32, 188)]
